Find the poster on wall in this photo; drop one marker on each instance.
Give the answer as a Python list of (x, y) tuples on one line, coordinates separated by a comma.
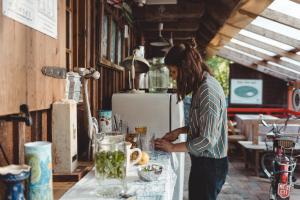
[(37, 14), (246, 91)]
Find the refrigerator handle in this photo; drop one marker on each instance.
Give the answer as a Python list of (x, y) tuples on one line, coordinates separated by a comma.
[(170, 113)]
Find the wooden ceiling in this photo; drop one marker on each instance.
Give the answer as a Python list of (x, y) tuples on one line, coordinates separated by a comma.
[(201, 19)]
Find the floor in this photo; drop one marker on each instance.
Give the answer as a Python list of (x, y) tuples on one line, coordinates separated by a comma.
[(241, 184)]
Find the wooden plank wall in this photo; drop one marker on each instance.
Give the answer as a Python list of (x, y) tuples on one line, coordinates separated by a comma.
[(23, 53), (13, 136)]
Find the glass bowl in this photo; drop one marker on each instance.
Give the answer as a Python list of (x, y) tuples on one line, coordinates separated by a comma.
[(150, 172)]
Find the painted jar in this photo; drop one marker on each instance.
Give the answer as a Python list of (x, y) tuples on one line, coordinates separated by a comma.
[(38, 156)]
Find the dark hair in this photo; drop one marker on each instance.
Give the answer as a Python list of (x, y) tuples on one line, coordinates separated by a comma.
[(190, 67)]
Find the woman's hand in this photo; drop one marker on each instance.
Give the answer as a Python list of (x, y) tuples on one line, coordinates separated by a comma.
[(164, 145), (171, 136)]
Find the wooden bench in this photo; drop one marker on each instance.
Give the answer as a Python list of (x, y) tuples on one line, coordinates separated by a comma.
[(255, 150)]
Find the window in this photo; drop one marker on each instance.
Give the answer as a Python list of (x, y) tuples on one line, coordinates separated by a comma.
[(104, 39), (120, 39), (113, 42)]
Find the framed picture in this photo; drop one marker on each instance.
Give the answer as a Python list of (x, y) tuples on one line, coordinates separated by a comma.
[(246, 91)]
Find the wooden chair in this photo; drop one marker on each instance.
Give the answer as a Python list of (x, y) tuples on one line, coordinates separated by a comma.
[(234, 136)]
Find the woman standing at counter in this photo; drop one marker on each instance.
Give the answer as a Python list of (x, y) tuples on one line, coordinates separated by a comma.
[(207, 128)]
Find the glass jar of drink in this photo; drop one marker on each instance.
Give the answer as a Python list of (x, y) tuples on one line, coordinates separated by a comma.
[(158, 76), (110, 164)]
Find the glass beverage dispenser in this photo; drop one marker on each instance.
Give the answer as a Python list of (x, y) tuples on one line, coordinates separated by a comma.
[(158, 76)]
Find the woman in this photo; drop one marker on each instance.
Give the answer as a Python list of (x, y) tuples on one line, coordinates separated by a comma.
[(207, 128)]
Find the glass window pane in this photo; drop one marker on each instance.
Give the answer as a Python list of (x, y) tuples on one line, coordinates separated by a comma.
[(104, 36), (291, 61), (283, 67), (244, 53), (119, 47), (266, 40), (286, 7), (276, 27), (269, 53), (113, 42)]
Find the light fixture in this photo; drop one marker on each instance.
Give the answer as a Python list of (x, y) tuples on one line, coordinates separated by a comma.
[(135, 64), (160, 42), (171, 43), (140, 3)]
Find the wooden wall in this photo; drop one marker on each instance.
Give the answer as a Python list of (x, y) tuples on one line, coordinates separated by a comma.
[(23, 53), (275, 91)]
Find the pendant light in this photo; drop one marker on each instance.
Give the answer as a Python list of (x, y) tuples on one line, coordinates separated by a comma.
[(160, 41)]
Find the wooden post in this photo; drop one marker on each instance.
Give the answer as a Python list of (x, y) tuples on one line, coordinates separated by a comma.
[(255, 132), (19, 140)]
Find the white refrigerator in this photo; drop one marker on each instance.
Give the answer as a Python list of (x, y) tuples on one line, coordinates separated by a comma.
[(160, 113)]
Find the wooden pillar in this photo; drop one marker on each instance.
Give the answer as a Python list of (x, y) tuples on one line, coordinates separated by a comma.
[(19, 141)]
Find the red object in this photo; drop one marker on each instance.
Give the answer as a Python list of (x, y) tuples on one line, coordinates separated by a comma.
[(283, 190), (279, 112), (285, 175)]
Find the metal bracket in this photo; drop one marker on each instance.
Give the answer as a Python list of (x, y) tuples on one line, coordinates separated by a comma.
[(55, 72), (24, 117)]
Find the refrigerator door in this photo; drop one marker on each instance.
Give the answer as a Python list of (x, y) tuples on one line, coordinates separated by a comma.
[(160, 113)]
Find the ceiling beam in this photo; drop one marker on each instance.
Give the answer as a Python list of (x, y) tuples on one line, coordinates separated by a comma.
[(184, 10), (255, 63), (275, 16), (273, 35), (182, 24), (172, 29), (178, 34), (268, 47), (265, 57), (262, 69), (296, 1)]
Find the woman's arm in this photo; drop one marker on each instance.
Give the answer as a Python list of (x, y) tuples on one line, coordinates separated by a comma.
[(173, 135), (167, 146)]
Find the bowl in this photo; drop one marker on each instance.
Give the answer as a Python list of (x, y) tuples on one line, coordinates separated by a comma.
[(150, 172)]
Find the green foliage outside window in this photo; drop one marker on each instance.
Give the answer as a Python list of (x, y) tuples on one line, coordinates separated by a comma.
[(220, 68)]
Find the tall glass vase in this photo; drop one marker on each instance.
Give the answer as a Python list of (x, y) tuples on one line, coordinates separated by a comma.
[(38, 156)]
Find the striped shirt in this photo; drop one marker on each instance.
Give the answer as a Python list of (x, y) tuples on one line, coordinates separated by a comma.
[(208, 121)]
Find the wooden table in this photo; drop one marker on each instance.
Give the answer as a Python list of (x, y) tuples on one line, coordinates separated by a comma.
[(246, 123), (256, 149)]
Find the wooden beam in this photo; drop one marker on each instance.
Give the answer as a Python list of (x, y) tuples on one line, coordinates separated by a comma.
[(180, 23), (268, 47), (179, 29), (273, 35), (241, 61), (178, 34), (281, 18), (171, 12), (296, 1), (263, 56), (275, 16), (247, 60)]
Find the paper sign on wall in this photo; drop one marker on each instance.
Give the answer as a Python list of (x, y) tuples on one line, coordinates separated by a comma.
[(246, 91), (38, 14)]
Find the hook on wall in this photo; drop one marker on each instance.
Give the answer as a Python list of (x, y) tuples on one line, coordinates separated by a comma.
[(24, 116)]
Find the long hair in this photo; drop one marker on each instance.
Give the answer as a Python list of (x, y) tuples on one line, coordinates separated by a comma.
[(190, 67)]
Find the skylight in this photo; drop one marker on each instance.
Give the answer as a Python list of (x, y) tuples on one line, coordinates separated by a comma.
[(266, 40), (287, 7), (276, 27), (283, 67), (244, 53), (291, 61), (269, 53)]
